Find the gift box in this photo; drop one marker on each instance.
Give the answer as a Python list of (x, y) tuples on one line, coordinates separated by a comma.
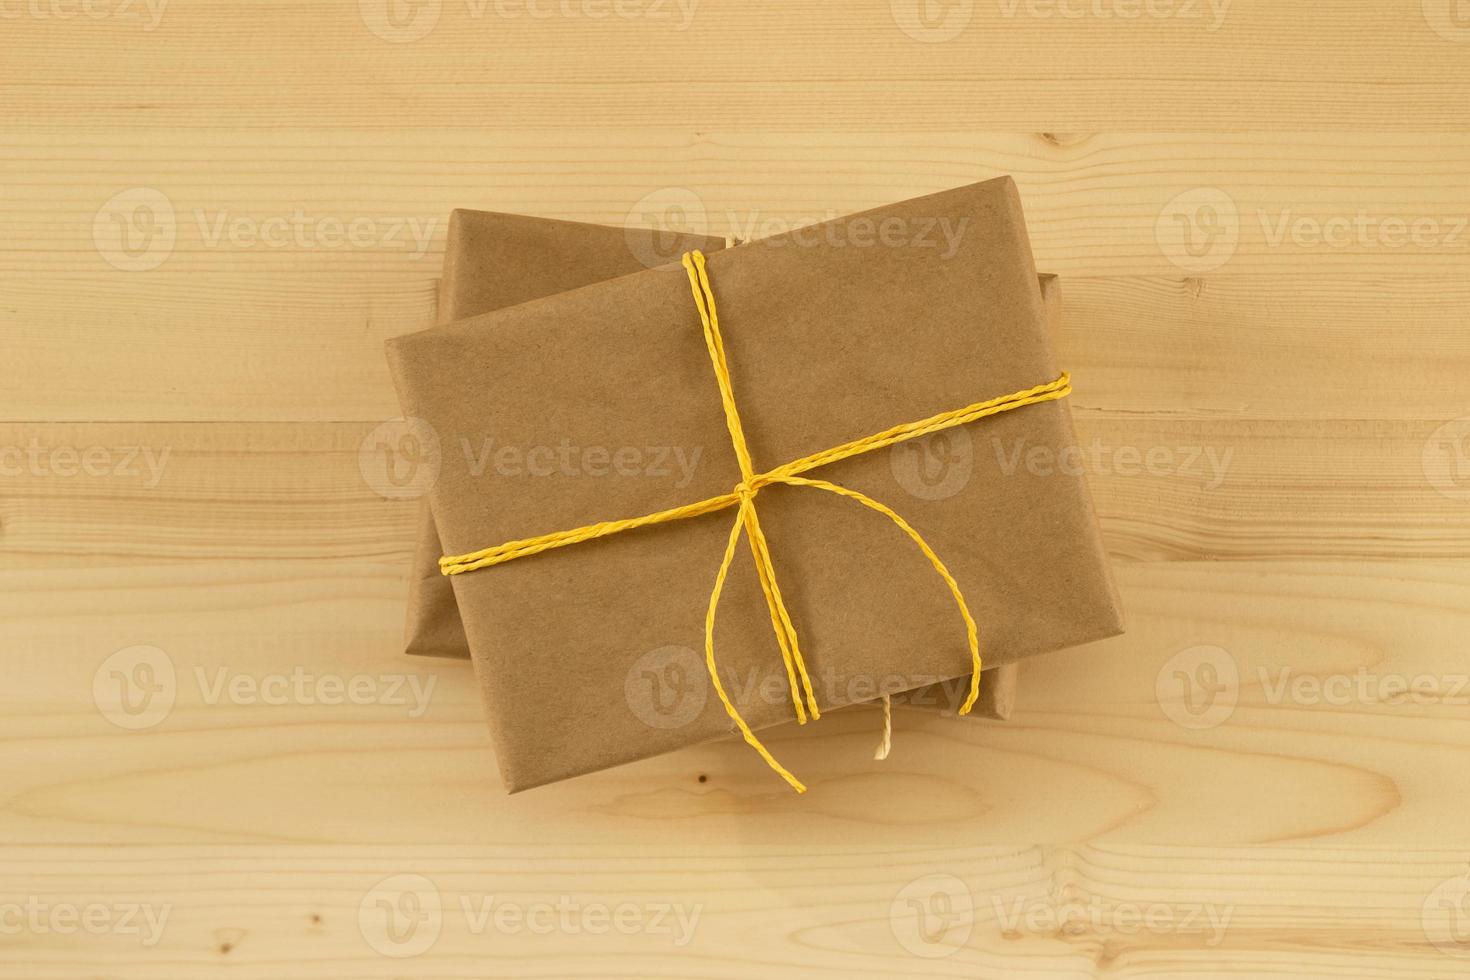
[(587, 606), (493, 261)]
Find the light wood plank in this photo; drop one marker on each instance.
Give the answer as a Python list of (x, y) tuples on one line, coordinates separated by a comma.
[(1314, 739), (989, 912), (803, 64), (1246, 754), (1166, 489), (176, 346), (1098, 203)]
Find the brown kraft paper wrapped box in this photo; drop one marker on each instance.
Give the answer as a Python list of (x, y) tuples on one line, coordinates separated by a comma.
[(832, 332), (492, 261)]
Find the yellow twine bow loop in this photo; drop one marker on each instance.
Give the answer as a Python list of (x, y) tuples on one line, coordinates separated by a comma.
[(742, 498)]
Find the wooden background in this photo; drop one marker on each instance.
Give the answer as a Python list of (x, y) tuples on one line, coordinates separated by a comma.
[(1174, 159)]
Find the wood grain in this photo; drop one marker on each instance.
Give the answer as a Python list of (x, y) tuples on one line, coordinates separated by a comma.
[(1265, 64), (177, 346), (1259, 209), (1166, 489), (271, 911), (1098, 202), (1095, 750)]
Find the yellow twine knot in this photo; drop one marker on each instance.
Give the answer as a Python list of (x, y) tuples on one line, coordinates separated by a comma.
[(747, 522)]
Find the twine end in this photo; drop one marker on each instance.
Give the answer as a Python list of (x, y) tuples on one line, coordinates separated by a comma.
[(885, 746)]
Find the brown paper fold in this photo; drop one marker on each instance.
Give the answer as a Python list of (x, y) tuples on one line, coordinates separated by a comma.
[(832, 333)]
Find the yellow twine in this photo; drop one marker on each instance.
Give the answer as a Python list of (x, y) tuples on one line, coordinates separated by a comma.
[(743, 498), (884, 747)]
